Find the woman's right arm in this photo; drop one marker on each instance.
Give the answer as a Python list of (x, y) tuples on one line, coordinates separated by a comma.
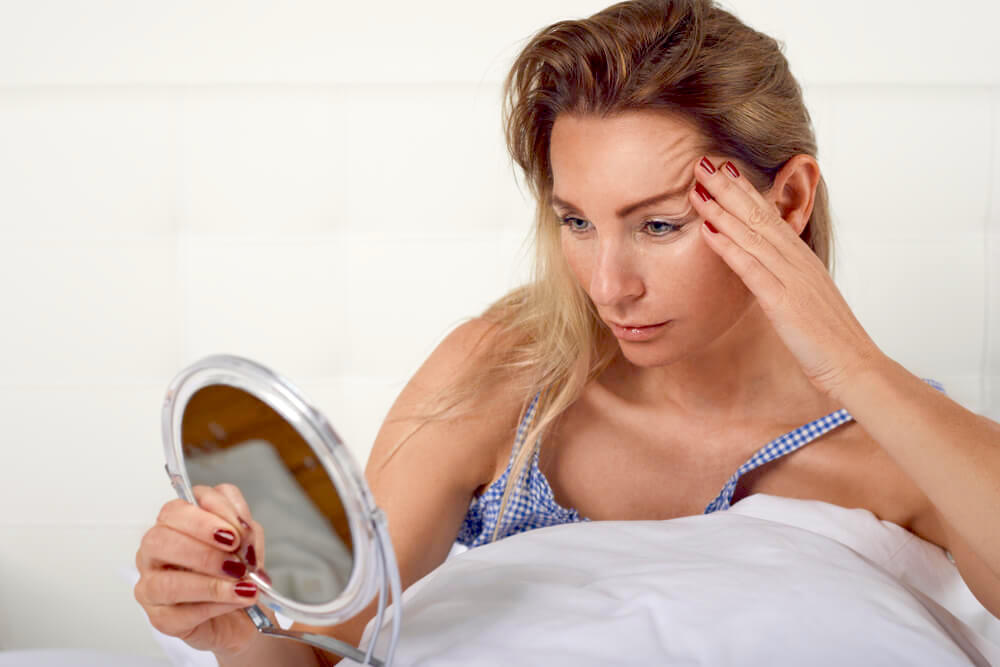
[(425, 487), (424, 490)]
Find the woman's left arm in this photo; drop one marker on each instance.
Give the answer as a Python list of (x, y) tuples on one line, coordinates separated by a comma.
[(950, 453), (953, 456)]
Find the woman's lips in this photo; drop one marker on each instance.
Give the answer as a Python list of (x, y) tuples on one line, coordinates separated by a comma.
[(636, 333)]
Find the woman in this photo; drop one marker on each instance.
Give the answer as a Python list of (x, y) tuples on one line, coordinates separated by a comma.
[(682, 315)]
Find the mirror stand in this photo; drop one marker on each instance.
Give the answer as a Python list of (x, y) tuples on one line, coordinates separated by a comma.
[(389, 578)]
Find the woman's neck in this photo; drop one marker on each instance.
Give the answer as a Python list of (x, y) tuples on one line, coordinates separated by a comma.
[(746, 374)]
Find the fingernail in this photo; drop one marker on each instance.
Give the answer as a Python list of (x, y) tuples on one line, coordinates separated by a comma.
[(702, 192), (251, 556), (711, 228), (225, 537), (731, 168), (707, 166), (234, 568), (262, 573), (246, 526), (246, 589)]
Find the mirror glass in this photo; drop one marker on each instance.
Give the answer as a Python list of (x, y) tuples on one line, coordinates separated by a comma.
[(230, 436)]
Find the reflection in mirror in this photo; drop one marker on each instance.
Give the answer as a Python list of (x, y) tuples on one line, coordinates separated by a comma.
[(230, 436)]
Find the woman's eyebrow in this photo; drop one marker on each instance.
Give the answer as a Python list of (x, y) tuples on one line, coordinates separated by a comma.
[(624, 211)]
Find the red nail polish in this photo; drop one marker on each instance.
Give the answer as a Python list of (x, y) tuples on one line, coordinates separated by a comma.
[(702, 192), (246, 589), (707, 166), (731, 168), (234, 568), (711, 228), (262, 573), (251, 556), (225, 537)]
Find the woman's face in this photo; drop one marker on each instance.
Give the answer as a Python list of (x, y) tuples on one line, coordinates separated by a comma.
[(648, 264)]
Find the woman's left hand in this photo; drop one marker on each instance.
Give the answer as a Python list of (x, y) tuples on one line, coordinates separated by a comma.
[(792, 285)]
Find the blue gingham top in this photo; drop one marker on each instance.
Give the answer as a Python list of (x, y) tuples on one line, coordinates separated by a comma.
[(532, 505)]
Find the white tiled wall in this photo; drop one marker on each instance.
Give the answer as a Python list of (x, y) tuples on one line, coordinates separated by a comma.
[(322, 187)]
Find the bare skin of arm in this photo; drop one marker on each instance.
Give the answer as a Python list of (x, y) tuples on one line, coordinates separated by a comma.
[(426, 486)]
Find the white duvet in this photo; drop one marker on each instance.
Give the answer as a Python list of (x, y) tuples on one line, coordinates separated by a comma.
[(771, 581)]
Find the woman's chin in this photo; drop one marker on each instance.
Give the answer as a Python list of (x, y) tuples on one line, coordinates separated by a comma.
[(647, 355)]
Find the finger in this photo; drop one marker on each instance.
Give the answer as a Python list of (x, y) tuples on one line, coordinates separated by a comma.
[(757, 277), (212, 500), (165, 548), (180, 620), (204, 525), (169, 587), (235, 496), (252, 550), (738, 196), (748, 239), (259, 541)]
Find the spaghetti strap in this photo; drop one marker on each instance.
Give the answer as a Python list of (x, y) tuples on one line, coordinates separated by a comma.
[(532, 504), (787, 444), (777, 448)]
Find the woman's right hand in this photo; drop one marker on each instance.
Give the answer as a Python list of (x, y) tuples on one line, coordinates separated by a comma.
[(192, 565)]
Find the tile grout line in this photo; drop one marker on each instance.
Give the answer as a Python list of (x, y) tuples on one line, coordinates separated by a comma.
[(177, 157), (990, 243)]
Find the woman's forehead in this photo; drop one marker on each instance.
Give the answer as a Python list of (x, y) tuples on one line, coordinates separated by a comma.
[(638, 147)]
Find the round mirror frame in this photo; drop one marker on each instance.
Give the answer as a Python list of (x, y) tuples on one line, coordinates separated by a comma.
[(288, 402)]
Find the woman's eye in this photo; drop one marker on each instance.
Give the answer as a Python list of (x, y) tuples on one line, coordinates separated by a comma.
[(575, 224), (654, 227), (660, 228)]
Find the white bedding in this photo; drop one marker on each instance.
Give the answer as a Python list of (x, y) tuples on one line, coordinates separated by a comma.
[(75, 658), (772, 581)]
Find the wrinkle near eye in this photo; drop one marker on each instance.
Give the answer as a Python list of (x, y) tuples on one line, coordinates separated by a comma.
[(683, 215)]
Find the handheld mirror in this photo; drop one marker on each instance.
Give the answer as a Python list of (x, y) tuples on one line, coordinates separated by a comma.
[(230, 420)]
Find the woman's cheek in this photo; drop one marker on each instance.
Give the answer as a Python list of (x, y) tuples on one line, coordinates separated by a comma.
[(705, 273), (722, 285), (577, 261)]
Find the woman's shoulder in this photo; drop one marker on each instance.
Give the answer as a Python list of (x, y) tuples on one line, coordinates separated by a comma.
[(468, 344), (432, 453), (465, 364), (455, 396)]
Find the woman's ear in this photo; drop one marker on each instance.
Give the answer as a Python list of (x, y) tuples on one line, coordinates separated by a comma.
[(794, 190)]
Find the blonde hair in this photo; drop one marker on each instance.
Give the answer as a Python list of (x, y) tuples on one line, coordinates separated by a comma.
[(688, 58)]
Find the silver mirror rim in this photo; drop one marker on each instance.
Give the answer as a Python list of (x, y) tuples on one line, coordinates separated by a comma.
[(289, 402)]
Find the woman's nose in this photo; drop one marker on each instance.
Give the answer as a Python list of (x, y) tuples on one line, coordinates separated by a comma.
[(614, 278)]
